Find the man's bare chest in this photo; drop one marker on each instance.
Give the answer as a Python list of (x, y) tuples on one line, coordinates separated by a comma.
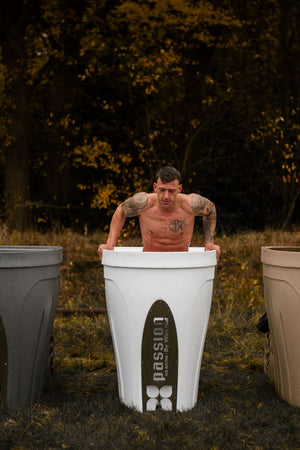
[(167, 224)]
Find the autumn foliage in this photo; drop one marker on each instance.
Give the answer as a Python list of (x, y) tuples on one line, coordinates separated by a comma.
[(96, 95)]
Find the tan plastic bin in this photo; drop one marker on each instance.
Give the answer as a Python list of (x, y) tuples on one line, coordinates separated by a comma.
[(281, 274)]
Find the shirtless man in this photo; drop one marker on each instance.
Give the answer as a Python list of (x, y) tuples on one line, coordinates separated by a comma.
[(166, 216)]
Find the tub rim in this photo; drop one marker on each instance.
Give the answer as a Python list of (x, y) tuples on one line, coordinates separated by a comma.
[(281, 255), (21, 256), (134, 257)]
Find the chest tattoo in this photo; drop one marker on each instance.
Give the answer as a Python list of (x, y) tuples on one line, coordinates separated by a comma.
[(177, 225)]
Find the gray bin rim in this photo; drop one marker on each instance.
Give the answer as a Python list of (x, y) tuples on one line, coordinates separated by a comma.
[(281, 256), (21, 256)]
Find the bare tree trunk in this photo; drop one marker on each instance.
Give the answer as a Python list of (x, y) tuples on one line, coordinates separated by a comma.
[(17, 155), (17, 167)]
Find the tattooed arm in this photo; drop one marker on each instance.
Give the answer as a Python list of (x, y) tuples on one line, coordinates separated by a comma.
[(201, 206), (129, 208)]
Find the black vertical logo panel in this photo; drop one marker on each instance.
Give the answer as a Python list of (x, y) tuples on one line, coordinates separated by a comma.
[(159, 359)]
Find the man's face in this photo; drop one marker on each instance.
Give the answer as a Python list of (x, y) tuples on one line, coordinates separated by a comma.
[(167, 192)]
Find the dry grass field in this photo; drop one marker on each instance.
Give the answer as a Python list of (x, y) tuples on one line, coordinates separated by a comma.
[(237, 407)]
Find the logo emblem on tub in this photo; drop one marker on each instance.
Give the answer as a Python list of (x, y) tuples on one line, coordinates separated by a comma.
[(159, 359)]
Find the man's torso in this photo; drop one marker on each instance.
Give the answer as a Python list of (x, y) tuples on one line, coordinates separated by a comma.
[(166, 231)]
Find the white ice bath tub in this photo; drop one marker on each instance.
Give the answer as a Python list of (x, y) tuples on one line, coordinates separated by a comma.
[(158, 305)]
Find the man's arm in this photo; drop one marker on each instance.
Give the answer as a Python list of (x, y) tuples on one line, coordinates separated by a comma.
[(129, 208), (201, 206)]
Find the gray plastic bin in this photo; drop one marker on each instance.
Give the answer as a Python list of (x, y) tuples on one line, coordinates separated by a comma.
[(29, 286)]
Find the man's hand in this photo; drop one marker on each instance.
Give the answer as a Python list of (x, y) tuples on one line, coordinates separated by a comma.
[(104, 247), (211, 246)]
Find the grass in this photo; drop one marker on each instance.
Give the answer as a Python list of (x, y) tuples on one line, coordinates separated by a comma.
[(237, 408)]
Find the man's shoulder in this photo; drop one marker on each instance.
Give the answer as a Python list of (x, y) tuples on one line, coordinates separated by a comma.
[(144, 200), (192, 202), (187, 199), (151, 198)]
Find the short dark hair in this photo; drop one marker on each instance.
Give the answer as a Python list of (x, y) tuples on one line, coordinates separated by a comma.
[(167, 174)]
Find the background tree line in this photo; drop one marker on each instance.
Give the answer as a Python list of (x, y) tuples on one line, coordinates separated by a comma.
[(95, 95)]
